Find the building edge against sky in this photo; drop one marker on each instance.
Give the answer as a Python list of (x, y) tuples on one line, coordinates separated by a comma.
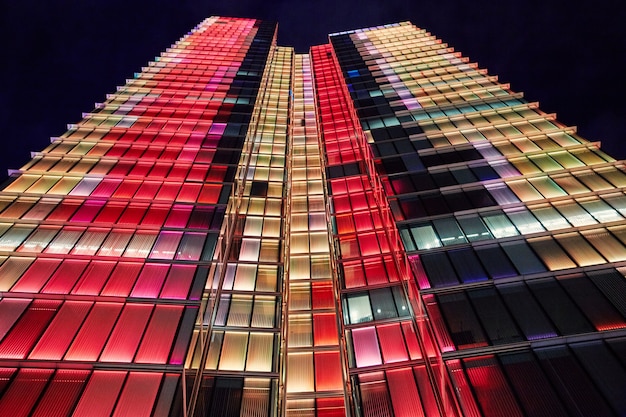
[(375, 228)]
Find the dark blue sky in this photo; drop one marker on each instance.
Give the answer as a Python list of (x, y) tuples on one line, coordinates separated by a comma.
[(61, 57)]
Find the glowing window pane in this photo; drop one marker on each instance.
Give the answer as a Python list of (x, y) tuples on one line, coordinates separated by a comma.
[(365, 343), (233, 354), (260, 352), (300, 372)]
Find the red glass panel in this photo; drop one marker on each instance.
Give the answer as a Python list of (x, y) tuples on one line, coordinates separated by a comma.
[(150, 280), (139, 394), (404, 395), (323, 296), (148, 190), (178, 281), (10, 310), (133, 213), (156, 215), (426, 392), (159, 337), (94, 332), (26, 332), (106, 188), (411, 340), (64, 210), (61, 394), (375, 271), (122, 279), (463, 390), (65, 277), (354, 274), (492, 390), (59, 334), (345, 223), (127, 189), (325, 329), (37, 275), (210, 193), (168, 191), (184, 335), (126, 335), (328, 376), (88, 211), (331, 407), (23, 392), (100, 394), (178, 216), (111, 212), (392, 343), (93, 278), (189, 193)]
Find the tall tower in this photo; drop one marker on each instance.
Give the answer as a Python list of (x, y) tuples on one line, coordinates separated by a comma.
[(376, 228)]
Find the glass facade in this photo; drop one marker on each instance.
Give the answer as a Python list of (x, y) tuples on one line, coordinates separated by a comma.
[(375, 228)]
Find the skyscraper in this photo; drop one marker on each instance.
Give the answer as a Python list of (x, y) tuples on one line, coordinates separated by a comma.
[(375, 228)]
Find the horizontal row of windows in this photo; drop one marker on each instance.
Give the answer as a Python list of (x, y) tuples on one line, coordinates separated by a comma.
[(531, 310), (383, 344), (513, 222), (513, 191), (173, 168), (513, 258), (51, 275), (96, 331), (73, 392), (118, 212), (579, 378), (97, 241), (188, 192)]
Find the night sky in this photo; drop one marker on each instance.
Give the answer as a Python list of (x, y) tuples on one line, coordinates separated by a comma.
[(60, 57)]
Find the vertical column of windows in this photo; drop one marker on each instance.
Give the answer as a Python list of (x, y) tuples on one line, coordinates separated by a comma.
[(386, 356), (242, 355), (314, 380)]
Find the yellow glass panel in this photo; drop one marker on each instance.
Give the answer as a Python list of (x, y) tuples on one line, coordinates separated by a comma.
[(233, 354), (260, 351), (300, 372)]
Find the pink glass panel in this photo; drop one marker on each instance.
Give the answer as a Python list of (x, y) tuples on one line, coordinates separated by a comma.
[(166, 245), (365, 342)]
